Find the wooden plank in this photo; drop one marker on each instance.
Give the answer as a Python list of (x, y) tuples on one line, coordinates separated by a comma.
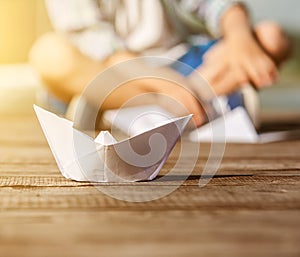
[(150, 233), (270, 193), (13, 166)]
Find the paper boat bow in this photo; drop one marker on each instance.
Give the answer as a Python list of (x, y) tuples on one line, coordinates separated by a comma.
[(103, 159)]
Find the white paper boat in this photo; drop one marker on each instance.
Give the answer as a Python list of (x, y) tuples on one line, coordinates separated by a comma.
[(103, 159)]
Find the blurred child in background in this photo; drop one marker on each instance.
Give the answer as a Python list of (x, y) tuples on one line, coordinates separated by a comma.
[(215, 37)]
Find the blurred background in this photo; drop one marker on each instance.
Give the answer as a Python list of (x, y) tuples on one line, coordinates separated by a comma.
[(23, 21)]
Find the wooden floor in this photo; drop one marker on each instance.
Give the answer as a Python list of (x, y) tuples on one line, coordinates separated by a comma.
[(250, 208)]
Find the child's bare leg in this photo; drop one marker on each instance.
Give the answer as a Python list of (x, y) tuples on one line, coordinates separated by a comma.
[(64, 70)]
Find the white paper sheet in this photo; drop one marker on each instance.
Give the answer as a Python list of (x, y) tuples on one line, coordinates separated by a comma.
[(237, 123), (82, 158), (240, 129)]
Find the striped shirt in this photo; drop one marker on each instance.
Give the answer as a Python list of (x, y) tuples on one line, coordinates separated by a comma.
[(100, 27)]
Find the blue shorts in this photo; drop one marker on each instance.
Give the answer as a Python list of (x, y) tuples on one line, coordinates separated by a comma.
[(193, 58)]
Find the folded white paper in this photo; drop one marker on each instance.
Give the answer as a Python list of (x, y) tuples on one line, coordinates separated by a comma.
[(239, 129), (103, 159), (135, 120), (234, 127)]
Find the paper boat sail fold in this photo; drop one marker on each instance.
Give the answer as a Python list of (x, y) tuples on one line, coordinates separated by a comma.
[(82, 158)]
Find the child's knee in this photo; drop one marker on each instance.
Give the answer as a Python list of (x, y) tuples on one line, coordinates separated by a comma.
[(52, 56), (273, 39)]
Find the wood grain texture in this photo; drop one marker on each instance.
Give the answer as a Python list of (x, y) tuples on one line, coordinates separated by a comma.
[(250, 208)]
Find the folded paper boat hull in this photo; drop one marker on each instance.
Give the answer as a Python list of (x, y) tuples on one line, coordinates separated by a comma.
[(81, 158)]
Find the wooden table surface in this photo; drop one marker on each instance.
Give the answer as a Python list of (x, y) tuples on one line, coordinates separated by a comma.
[(250, 208)]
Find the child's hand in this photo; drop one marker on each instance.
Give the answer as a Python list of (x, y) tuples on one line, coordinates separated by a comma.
[(245, 53), (237, 60), (239, 57)]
